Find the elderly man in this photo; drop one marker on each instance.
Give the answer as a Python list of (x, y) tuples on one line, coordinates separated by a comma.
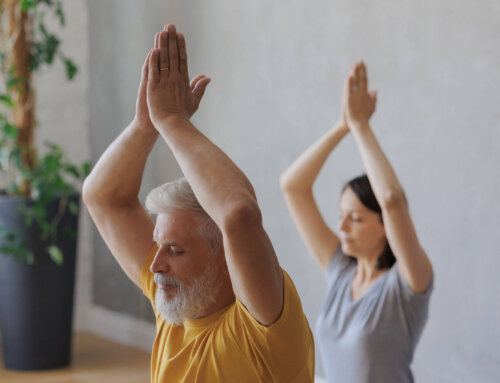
[(225, 310)]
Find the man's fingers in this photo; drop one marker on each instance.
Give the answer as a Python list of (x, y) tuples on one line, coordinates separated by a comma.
[(163, 47), (183, 63), (157, 41), (173, 53), (195, 80), (200, 87), (145, 67), (154, 69)]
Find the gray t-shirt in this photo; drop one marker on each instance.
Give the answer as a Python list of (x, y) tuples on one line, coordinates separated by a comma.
[(373, 338)]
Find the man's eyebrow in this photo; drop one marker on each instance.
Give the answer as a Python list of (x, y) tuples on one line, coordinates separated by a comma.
[(166, 244)]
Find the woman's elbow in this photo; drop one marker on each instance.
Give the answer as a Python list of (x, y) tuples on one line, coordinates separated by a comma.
[(393, 198)]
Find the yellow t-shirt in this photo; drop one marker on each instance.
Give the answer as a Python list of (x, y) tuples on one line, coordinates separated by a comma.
[(231, 346)]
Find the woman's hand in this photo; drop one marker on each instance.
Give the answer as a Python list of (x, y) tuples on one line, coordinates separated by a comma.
[(358, 102), (169, 93)]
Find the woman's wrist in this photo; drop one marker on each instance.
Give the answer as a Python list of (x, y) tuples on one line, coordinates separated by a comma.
[(341, 127), (359, 126)]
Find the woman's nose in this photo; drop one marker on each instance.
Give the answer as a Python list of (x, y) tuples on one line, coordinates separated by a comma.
[(343, 226)]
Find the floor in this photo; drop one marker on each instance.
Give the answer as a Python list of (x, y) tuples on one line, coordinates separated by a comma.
[(94, 360)]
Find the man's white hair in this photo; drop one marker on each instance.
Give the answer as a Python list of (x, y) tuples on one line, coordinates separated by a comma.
[(178, 195)]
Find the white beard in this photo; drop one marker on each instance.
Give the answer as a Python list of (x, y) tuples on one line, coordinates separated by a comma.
[(189, 302)]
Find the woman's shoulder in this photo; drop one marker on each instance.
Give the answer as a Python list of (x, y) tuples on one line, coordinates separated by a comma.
[(398, 283), (339, 264)]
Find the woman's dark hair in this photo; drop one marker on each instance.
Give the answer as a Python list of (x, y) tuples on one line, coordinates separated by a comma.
[(363, 190)]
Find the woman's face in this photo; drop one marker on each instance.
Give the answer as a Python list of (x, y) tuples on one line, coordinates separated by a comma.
[(360, 229)]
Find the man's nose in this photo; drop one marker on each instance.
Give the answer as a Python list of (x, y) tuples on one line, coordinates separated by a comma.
[(160, 263)]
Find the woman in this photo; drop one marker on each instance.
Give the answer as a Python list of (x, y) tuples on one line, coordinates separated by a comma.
[(379, 278)]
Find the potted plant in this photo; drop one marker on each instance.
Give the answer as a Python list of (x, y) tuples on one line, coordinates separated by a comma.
[(39, 202)]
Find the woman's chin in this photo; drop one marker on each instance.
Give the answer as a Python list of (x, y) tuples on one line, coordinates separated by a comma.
[(347, 249)]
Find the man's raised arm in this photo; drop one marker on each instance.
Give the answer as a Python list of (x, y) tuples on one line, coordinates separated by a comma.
[(111, 191), (220, 186)]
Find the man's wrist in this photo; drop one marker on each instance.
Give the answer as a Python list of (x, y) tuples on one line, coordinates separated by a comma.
[(171, 121), (142, 129)]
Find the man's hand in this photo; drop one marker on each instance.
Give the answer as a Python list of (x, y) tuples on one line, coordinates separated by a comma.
[(358, 102), (169, 93), (141, 118)]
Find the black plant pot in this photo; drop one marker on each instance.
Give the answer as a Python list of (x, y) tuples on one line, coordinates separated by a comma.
[(36, 301)]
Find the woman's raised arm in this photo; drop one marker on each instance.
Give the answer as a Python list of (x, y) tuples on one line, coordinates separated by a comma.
[(359, 104), (297, 183)]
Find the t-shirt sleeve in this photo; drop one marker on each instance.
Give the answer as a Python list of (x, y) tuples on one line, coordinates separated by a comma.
[(147, 277), (288, 342), (338, 264), (415, 305)]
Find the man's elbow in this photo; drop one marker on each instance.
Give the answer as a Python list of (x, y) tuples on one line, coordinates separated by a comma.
[(241, 215), (89, 194)]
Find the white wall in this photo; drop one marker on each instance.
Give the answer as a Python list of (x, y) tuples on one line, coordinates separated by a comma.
[(277, 70), (63, 116)]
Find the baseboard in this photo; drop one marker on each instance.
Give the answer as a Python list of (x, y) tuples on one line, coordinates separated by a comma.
[(120, 328)]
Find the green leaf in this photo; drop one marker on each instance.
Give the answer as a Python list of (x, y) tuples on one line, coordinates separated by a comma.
[(69, 233), (10, 130), (73, 207), (55, 254), (46, 229), (27, 4), (73, 170), (71, 69), (12, 82), (6, 100), (86, 167), (60, 13), (29, 257)]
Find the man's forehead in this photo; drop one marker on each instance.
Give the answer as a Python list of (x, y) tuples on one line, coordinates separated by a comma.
[(175, 226)]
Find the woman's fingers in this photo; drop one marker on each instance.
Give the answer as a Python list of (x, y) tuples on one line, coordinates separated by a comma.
[(352, 84), (357, 77), (363, 79)]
